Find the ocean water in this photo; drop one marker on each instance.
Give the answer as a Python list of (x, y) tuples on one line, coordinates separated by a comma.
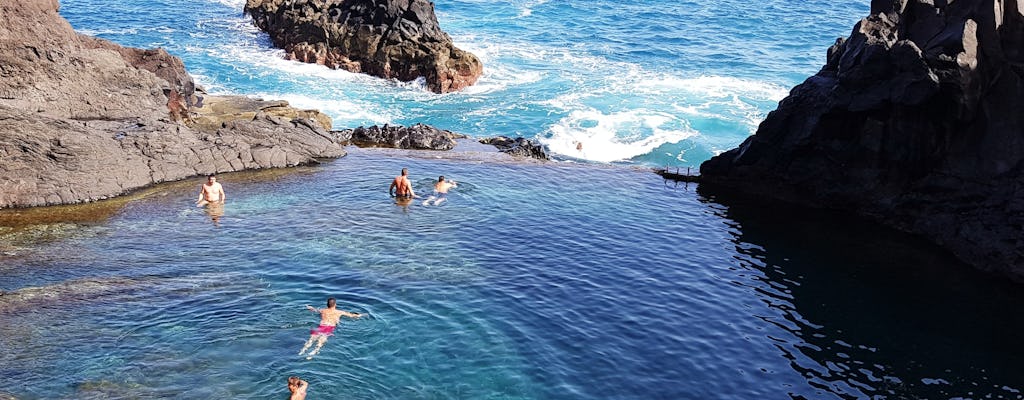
[(586, 278), (651, 82)]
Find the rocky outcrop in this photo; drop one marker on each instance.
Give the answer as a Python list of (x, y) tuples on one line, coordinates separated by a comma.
[(398, 39), (84, 119), (215, 112), (419, 137), (520, 147), (914, 121)]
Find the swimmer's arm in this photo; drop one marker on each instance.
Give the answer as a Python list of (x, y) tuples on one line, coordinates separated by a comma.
[(223, 197), (391, 189), (351, 315), (310, 308)]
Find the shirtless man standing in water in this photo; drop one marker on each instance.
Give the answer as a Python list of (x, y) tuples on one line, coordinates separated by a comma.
[(211, 193), (400, 187), (329, 318)]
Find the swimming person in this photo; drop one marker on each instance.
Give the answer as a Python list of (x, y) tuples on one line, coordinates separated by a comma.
[(440, 191), (400, 187), (329, 318), (297, 387), (211, 192)]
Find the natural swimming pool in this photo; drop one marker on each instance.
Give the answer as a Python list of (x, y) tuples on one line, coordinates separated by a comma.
[(533, 281)]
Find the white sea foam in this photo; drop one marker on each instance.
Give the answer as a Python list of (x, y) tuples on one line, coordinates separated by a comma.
[(234, 4), (341, 111), (526, 7), (715, 87), (607, 137), (497, 75), (98, 32)]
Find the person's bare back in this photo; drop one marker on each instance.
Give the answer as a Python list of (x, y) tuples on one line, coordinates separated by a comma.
[(332, 316), (400, 187), (329, 319)]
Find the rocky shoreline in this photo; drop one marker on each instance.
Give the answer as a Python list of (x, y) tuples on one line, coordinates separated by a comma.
[(85, 119), (913, 122)]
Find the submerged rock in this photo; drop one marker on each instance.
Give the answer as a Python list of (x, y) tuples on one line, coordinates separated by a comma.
[(520, 147), (398, 39), (85, 119), (419, 136), (915, 122)]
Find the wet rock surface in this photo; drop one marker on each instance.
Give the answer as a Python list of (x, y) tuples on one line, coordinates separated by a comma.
[(520, 147), (393, 39), (418, 137)]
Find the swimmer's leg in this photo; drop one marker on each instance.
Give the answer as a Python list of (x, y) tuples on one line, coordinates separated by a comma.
[(440, 200), (427, 201), (319, 344), (308, 343)]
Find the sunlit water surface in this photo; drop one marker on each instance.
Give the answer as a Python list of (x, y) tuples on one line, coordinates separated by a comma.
[(534, 281)]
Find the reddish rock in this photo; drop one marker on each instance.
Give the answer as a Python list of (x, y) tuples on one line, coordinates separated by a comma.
[(394, 39)]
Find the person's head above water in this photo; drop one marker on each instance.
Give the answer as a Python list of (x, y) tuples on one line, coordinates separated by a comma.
[(405, 171), (440, 178), (331, 302), (293, 382), (211, 178)]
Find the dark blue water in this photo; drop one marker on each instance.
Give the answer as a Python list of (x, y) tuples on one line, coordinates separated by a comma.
[(531, 282)]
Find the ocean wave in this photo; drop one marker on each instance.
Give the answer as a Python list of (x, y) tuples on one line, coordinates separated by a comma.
[(617, 136), (345, 113), (234, 4)]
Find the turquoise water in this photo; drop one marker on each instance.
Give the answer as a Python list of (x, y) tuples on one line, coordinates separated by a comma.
[(568, 280), (531, 282), (654, 82)]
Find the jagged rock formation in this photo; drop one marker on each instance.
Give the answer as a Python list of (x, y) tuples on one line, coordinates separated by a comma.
[(398, 39), (520, 147), (82, 118), (914, 121), (419, 136)]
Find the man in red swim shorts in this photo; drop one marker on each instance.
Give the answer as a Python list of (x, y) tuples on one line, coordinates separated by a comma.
[(329, 318)]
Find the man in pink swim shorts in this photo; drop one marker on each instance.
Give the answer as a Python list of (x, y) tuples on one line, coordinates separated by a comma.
[(329, 318)]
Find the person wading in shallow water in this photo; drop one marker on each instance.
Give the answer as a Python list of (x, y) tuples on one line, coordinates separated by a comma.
[(329, 318), (297, 387), (400, 187), (211, 192)]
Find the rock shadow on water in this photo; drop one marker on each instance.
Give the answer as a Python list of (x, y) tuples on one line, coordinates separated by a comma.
[(877, 313)]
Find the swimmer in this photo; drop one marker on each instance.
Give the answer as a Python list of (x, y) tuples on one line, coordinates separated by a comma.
[(440, 191), (211, 192), (297, 387), (329, 318), (400, 187)]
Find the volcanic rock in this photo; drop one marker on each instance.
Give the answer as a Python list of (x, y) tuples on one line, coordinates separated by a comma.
[(418, 136), (915, 122), (83, 119), (520, 147), (398, 39)]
